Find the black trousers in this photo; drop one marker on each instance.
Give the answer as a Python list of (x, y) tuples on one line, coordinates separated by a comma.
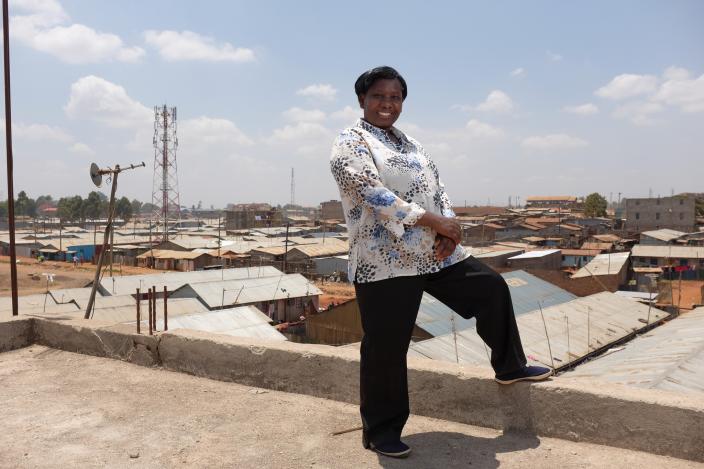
[(389, 309)]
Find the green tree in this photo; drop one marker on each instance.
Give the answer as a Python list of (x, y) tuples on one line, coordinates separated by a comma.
[(595, 205), (93, 206), (136, 206), (70, 208), (123, 208), (25, 205), (3, 209)]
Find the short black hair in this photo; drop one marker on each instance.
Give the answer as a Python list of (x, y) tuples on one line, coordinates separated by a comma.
[(367, 79)]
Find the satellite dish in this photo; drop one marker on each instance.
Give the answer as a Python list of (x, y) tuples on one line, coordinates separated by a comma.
[(95, 175)]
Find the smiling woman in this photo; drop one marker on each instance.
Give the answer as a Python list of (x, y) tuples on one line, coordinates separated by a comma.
[(404, 240)]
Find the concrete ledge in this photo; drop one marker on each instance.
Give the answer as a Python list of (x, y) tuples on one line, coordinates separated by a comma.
[(102, 340), (655, 421), (16, 332)]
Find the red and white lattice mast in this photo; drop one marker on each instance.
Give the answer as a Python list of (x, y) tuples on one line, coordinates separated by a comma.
[(165, 195)]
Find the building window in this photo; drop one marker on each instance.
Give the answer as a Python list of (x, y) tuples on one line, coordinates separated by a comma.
[(681, 216), (637, 216), (657, 215), (653, 261), (681, 201), (683, 262), (657, 202), (637, 202)]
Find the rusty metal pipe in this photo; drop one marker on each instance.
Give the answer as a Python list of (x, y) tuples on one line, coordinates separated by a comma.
[(154, 307), (166, 320), (149, 300), (139, 319)]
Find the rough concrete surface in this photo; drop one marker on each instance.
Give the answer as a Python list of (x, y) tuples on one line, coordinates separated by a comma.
[(61, 409), (658, 422)]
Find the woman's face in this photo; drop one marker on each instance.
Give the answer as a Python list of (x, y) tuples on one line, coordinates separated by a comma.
[(382, 103)]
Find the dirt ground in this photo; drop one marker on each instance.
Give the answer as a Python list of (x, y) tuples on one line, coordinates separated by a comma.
[(61, 409), (30, 279), (337, 292)]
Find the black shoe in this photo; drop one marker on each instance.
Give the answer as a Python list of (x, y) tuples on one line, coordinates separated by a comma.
[(527, 373), (395, 449)]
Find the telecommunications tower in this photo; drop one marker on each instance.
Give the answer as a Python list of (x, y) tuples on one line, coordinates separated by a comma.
[(165, 196)]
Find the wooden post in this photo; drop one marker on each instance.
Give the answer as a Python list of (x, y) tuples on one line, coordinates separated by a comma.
[(149, 300), (154, 307)]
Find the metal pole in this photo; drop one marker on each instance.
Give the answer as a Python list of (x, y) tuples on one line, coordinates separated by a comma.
[(149, 300), (154, 307), (106, 237), (166, 315), (139, 319), (8, 146), (286, 247)]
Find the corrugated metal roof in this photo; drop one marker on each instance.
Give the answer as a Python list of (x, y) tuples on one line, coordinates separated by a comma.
[(243, 321), (672, 252), (534, 254), (669, 357), (664, 234), (594, 322), (604, 264), (29, 304), (526, 291), (331, 247), (169, 254), (251, 290), (127, 285), (128, 313)]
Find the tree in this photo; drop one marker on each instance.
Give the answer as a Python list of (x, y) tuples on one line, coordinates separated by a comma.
[(70, 208), (123, 208), (595, 205), (93, 206), (25, 206), (136, 206), (3, 209)]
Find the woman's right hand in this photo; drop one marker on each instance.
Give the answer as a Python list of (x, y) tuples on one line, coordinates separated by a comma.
[(445, 226)]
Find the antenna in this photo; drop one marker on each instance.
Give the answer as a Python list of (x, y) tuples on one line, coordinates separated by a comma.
[(96, 175), (165, 194), (293, 188)]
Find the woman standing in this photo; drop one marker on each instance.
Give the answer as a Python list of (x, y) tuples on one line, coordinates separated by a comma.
[(404, 240)]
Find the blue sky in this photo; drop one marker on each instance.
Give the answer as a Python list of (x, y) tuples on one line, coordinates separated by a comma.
[(510, 98)]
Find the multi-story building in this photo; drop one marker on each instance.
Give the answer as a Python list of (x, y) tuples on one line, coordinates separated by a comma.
[(331, 210), (552, 201), (654, 213), (242, 217)]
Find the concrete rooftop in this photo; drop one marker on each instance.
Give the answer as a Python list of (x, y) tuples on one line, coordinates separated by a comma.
[(62, 409)]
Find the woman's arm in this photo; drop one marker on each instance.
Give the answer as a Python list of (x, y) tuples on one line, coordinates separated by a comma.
[(356, 175)]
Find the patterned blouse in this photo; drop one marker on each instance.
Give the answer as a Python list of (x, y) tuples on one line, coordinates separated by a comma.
[(385, 188)]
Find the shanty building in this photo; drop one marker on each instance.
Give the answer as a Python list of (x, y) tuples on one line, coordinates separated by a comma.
[(331, 210), (551, 201), (184, 261), (690, 258), (611, 270), (661, 237), (284, 298)]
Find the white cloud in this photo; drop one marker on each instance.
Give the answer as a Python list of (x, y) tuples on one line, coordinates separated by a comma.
[(187, 45), (42, 29), (81, 149), (553, 56), (639, 113), (477, 129), (518, 72), (40, 132), (587, 109), (553, 142), (628, 85), (297, 114), (319, 91), (347, 114), (299, 131), (681, 91), (94, 98), (212, 131), (497, 101)]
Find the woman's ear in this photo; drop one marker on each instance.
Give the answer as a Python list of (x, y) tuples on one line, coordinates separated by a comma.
[(360, 98)]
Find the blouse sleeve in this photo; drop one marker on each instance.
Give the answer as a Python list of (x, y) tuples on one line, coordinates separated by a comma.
[(441, 199), (356, 175)]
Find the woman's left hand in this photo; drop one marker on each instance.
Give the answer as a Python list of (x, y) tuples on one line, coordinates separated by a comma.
[(444, 246)]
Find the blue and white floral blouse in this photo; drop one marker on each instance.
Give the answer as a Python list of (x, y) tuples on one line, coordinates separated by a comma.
[(385, 188)]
